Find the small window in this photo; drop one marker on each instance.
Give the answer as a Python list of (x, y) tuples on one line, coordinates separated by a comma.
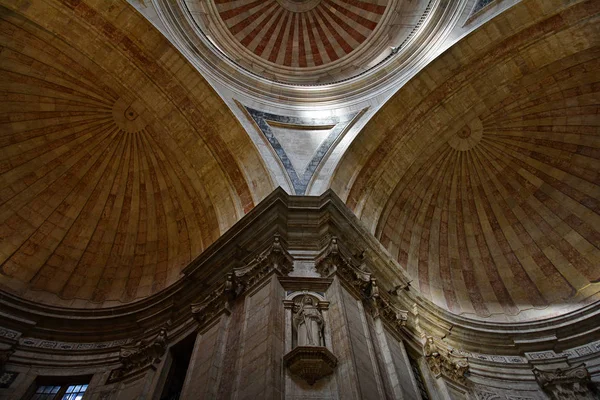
[(75, 392), (46, 393), (59, 388)]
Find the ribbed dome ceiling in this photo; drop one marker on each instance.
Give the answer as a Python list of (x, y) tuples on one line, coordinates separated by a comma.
[(481, 176), (300, 33), (117, 169), (307, 41)]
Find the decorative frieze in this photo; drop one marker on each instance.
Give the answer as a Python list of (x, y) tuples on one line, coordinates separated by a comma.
[(9, 334), (575, 352), (142, 355), (55, 345), (443, 362)]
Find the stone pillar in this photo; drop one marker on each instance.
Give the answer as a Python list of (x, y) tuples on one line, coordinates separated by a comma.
[(205, 368), (239, 354), (258, 369)]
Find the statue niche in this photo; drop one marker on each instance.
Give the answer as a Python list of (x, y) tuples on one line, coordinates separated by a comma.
[(308, 323), (309, 358)]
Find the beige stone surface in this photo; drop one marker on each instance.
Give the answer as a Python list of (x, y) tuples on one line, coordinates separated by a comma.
[(480, 176), (119, 164)]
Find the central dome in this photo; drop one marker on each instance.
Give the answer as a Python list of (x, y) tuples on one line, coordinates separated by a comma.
[(307, 41)]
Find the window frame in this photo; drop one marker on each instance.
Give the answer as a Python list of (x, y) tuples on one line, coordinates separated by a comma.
[(64, 382)]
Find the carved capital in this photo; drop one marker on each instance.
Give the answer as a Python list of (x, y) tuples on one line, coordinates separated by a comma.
[(565, 383), (274, 259), (394, 316), (135, 358), (442, 362), (216, 302), (382, 307), (336, 261)]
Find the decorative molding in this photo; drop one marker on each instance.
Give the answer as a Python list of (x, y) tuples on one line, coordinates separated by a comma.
[(144, 354), (336, 261), (442, 362), (275, 259), (54, 345), (7, 378)]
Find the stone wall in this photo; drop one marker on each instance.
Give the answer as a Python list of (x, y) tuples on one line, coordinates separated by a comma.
[(243, 302)]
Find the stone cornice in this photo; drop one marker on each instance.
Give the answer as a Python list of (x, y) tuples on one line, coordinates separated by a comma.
[(248, 250)]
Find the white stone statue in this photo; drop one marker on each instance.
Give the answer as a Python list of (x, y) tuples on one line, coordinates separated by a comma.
[(308, 322)]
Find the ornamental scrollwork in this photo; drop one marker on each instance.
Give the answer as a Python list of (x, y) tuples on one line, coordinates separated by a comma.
[(442, 362), (354, 271), (382, 307), (275, 259), (145, 353), (334, 260), (565, 383), (217, 302)]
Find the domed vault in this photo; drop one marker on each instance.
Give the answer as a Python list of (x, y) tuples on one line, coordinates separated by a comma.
[(120, 164), (480, 176)]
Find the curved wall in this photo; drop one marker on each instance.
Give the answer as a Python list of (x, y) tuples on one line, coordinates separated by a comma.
[(120, 164), (480, 176)]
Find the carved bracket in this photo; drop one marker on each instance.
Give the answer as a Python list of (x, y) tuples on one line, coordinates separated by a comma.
[(310, 363), (565, 383), (138, 357), (382, 307), (335, 261), (217, 302), (442, 362)]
